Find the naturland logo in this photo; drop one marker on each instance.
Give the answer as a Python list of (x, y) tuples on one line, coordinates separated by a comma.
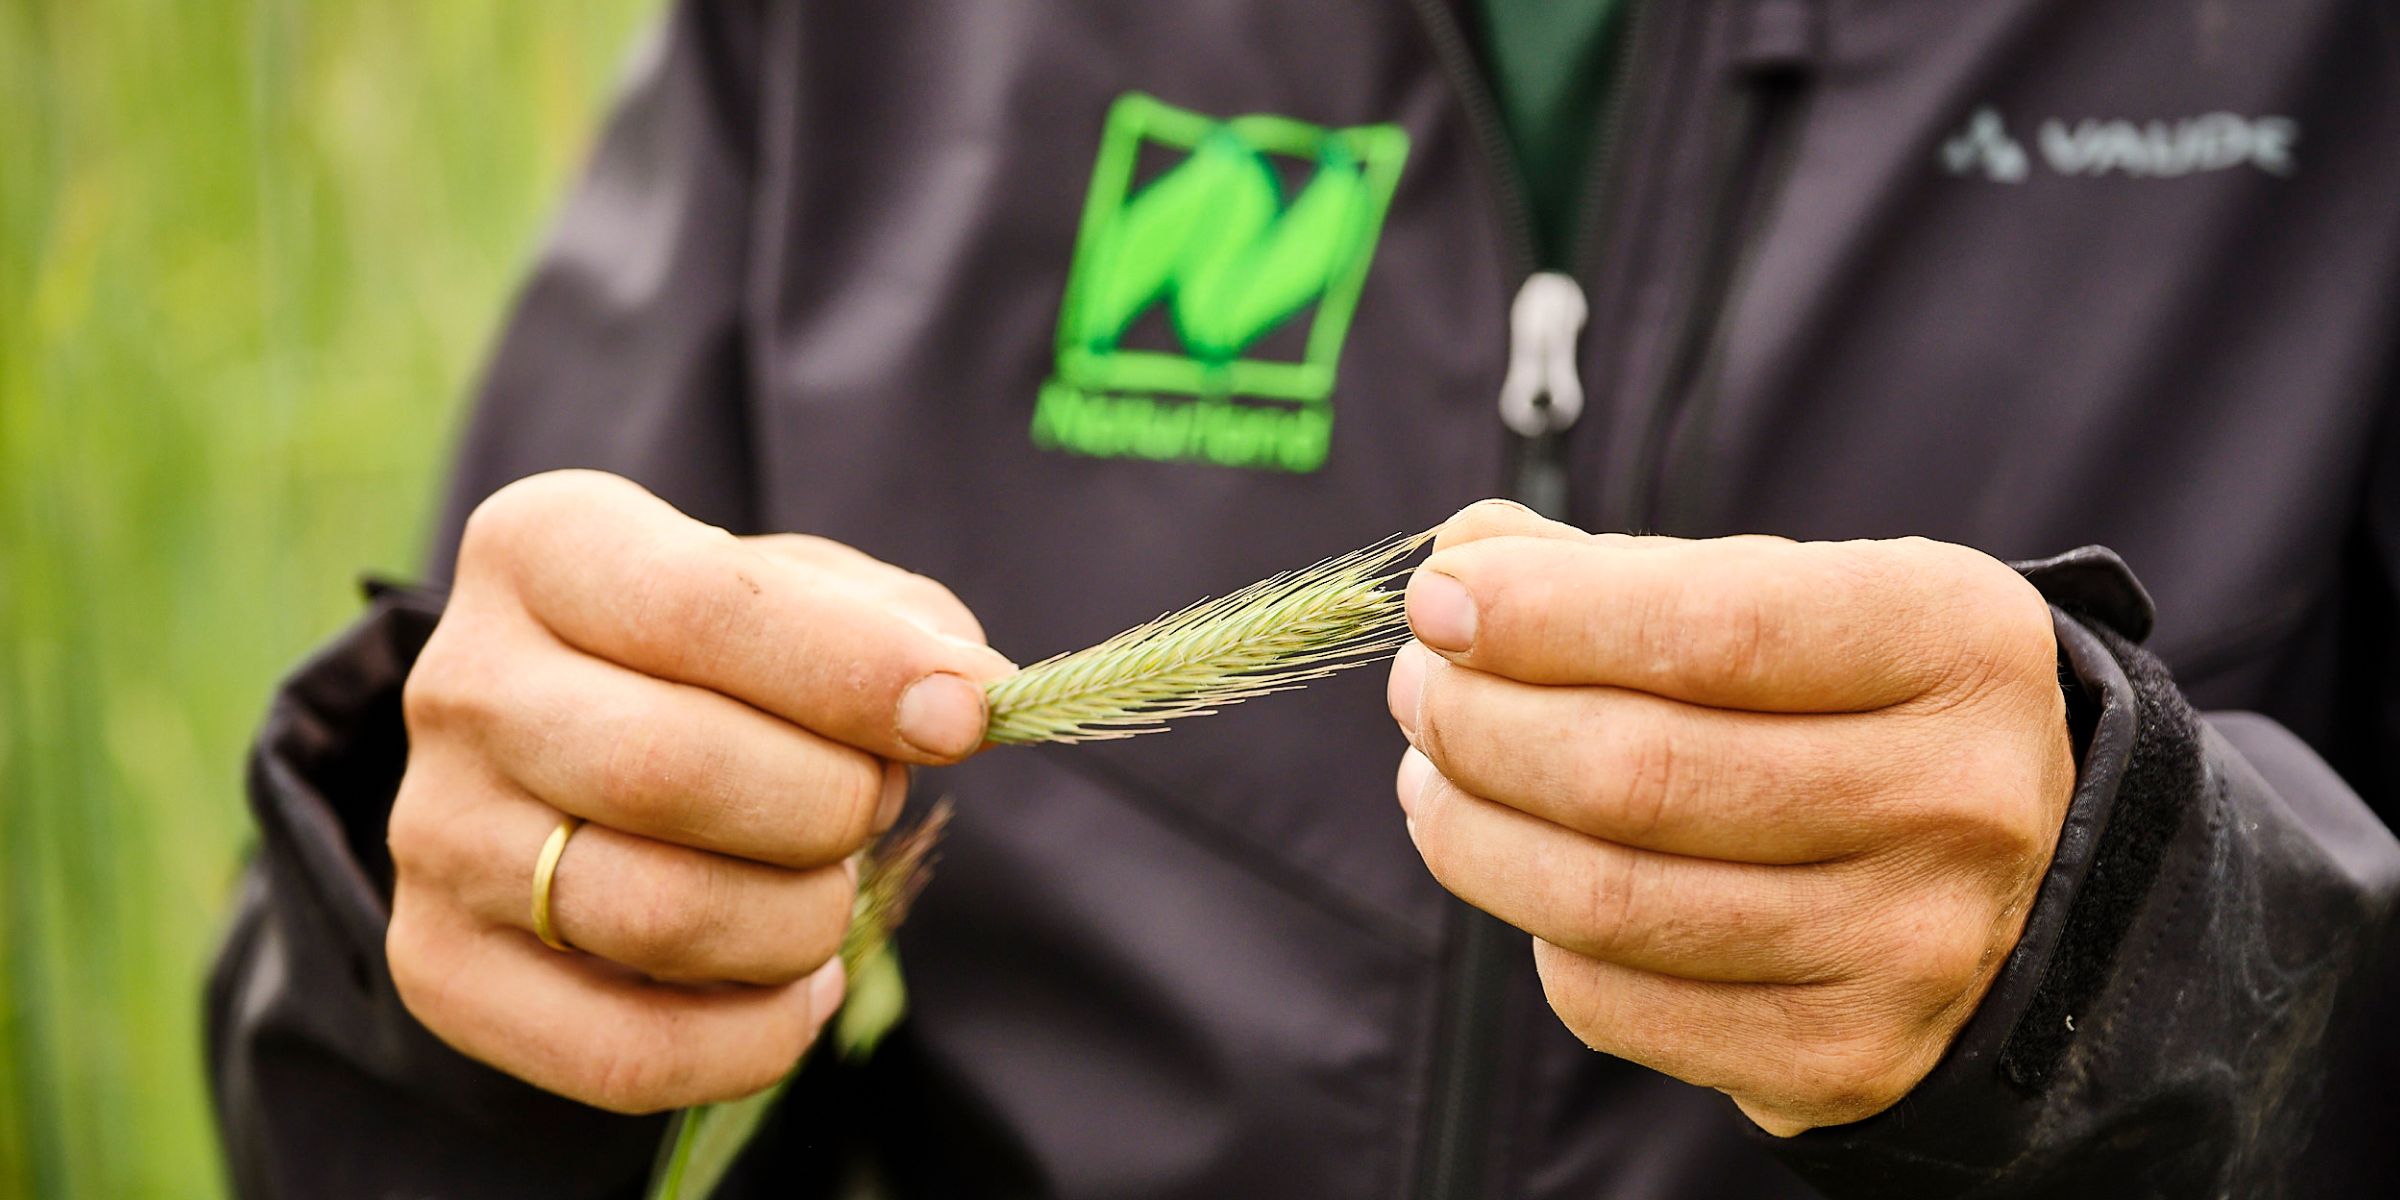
[(1204, 314)]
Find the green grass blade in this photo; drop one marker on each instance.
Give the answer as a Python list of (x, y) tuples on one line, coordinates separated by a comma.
[(702, 1143)]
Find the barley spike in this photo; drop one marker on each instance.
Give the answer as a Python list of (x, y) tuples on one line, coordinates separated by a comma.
[(1271, 636)]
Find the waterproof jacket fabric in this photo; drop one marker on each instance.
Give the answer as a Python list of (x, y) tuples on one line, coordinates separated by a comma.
[(2026, 276)]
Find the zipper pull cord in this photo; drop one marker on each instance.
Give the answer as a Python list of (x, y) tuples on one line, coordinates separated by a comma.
[(1542, 393)]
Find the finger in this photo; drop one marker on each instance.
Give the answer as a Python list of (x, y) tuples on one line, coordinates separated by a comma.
[(1830, 1054), (661, 759), (687, 915), (1693, 918), (1659, 774), (1501, 518), (1750, 622), (666, 911), (932, 607), (577, 1026), (615, 572)]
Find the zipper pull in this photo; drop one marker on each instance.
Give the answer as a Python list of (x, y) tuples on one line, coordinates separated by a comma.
[(1542, 393)]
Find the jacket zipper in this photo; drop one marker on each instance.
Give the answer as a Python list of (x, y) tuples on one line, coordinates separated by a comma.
[(1543, 394), (1749, 170), (1538, 459), (1457, 61), (1457, 1131), (1592, 202), (1539, 401)]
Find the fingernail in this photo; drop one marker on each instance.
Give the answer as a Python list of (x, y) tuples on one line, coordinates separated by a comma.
[(1406, 686), (894, 797), (942, 715), (850, 869), (1441, 611), (1415, 770), (825, 990), (1501, 502)]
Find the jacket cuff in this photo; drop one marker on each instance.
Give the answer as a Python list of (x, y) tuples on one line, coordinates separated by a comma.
[(324, 1083), (2126, 1047)]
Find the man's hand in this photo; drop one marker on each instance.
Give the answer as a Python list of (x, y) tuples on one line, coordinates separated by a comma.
[(730, 716), (1773, 811)]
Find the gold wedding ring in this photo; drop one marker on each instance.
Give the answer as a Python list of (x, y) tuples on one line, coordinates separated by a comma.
[(543, 870)]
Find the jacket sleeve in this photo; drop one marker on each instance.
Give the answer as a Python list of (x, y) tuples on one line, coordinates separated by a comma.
[(623, 351), (2161, 1029), (324, 1084)]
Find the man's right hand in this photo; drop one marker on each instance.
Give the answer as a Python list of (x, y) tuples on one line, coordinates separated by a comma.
[(729, 716)]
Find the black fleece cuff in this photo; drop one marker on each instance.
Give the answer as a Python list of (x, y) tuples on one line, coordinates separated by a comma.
[(2098, 591), (2162, 775)]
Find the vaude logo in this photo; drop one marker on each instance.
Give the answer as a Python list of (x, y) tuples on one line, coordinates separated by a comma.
[(2148, 150), (1205, 310)]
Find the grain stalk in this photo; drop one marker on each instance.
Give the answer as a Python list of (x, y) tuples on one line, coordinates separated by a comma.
[(702, 1142)]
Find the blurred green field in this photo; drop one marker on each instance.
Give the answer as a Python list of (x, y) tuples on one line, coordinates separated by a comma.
[(250, 254)]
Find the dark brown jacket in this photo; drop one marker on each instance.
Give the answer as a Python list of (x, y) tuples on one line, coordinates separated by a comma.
[(2022, 274)]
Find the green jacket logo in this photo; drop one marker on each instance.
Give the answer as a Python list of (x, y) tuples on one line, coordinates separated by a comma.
[(1255, 293)]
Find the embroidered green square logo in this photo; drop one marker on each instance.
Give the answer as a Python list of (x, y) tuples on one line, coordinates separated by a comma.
[(1205, 311)]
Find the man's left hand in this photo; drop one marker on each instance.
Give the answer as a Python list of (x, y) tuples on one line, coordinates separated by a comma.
[(1773, 811)]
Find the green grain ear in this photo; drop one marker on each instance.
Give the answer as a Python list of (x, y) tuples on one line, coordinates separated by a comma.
[(1271, 636)]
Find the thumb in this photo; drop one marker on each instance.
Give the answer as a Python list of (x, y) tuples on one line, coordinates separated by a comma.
[(1501, 518)]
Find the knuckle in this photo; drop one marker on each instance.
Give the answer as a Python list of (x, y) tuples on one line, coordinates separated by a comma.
[(1735, 631), (1934, 949), (433, 696), (497, 525), (836, 814), (461, 679), (647, 760), (1609, 918), (422, 956), (1846, 1081), (1994, 826), (405, 949), (415, 835), (1997, 626), (677, 616), (1833, 1029), (807, 550), (934, 598), (1648, 767), (669, 916), (2010, 844), (526, 508)]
